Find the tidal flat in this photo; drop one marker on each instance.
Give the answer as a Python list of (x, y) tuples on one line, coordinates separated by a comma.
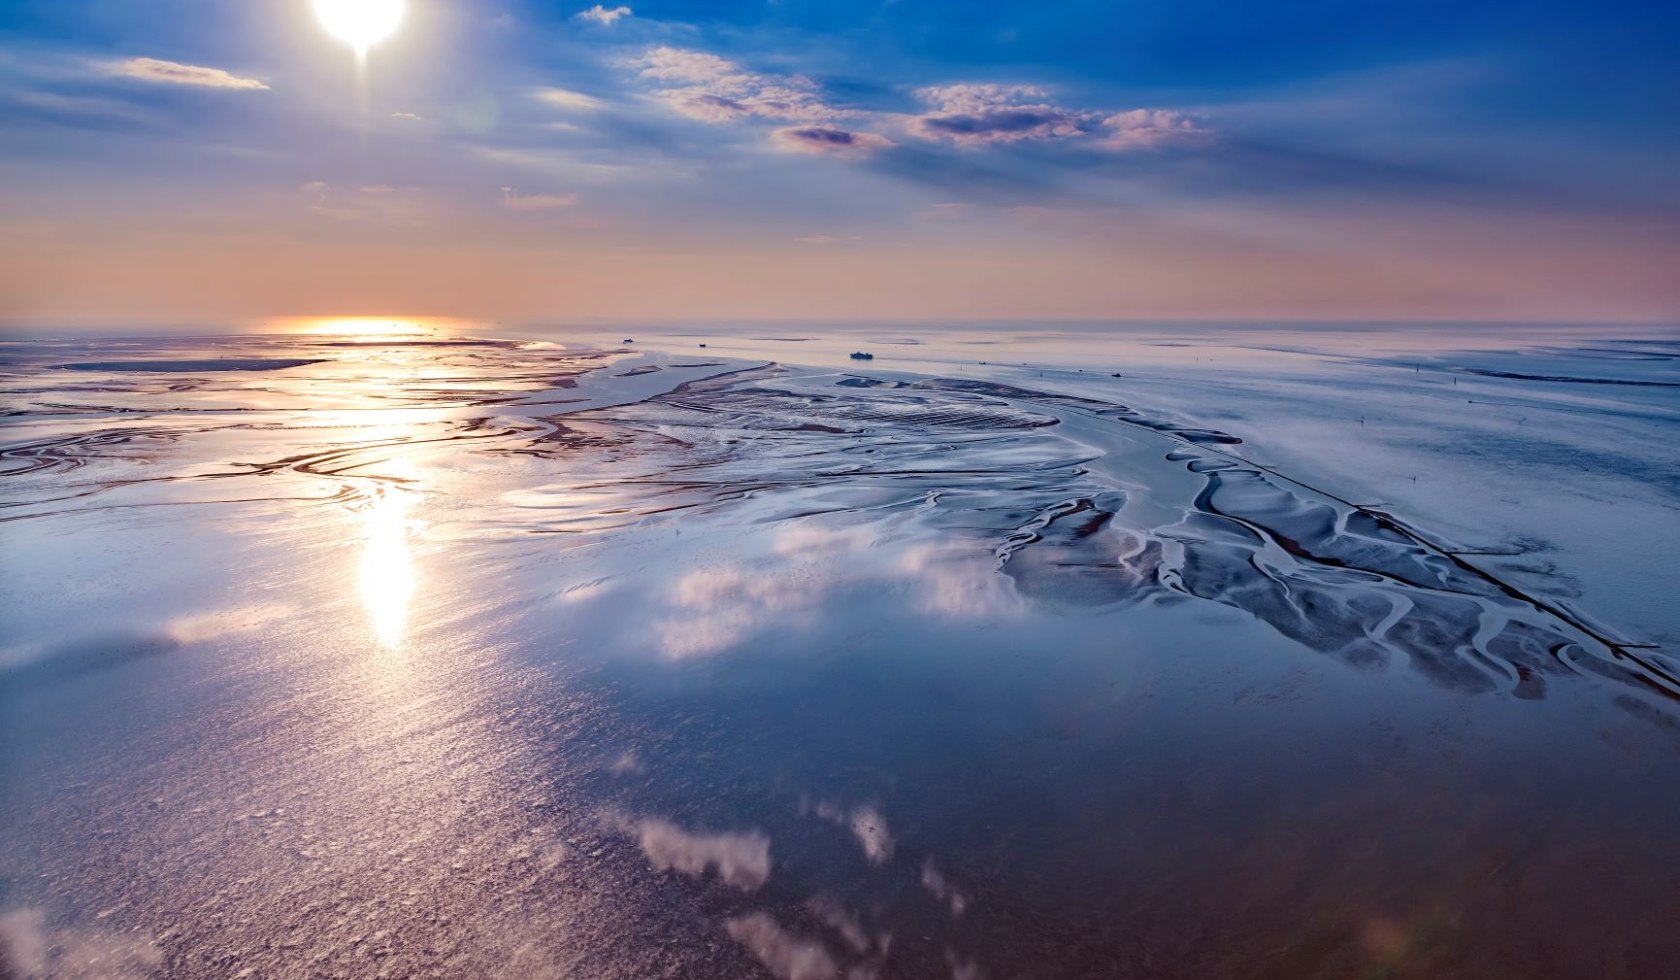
[(1011, 652)]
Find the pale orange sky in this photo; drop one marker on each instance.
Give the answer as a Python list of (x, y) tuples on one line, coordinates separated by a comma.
[(518, 164), (1337, 269)]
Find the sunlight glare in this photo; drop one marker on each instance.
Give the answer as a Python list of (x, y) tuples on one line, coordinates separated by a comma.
[(360, 23), (388, 577)]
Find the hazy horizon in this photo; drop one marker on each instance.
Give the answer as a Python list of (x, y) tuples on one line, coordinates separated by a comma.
[(413, 324)]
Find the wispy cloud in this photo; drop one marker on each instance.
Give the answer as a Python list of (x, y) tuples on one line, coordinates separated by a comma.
[(707, 87), (975, 115), (713, 89), (970, 115), (552, 164), (374, 202), (515, 201), (1147, 127), (979, 114), (832, 142), (174, 73), (561, 98), (76, 110), (605, 16)]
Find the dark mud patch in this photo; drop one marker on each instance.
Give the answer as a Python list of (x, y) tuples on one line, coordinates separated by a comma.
[(980, 460), (1568, 379), (1089, 406), (195, 366)]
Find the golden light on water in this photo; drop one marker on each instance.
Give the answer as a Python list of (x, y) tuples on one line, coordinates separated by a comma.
[(388, 576), (360, 23)]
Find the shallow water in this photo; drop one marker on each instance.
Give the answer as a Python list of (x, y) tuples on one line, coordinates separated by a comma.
[(499, 658)]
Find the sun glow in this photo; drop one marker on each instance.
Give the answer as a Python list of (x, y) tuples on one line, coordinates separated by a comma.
[(366, 328), (360, 23)]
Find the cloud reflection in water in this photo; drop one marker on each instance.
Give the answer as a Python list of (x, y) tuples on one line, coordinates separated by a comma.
[(718, 607), (741, 859)]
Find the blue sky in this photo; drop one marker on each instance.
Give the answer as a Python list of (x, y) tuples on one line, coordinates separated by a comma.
[(915, 158)]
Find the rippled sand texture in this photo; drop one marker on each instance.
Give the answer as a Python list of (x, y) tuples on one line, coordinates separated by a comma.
[(484, 658)]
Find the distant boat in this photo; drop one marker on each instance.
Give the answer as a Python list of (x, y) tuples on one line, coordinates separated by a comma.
[(860, 355), (702, 345), (627, 340)]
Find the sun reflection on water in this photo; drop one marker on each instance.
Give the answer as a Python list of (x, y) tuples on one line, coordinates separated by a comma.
[(388, 575)]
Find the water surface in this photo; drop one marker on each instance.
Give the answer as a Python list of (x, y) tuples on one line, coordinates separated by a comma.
[(1134, 656)]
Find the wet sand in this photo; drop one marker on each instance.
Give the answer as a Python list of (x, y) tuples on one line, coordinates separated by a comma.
[(554, 659)]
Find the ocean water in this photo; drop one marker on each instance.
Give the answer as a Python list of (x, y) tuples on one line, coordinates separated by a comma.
[(1013, 651)]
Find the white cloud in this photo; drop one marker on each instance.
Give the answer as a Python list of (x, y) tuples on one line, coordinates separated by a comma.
[(604, 16), (668, 64), (157, 70), (973, 97), (1146, 127), (712, 89), (515, 201)]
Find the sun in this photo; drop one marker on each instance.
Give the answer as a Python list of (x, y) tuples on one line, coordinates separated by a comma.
[(360, 23)]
